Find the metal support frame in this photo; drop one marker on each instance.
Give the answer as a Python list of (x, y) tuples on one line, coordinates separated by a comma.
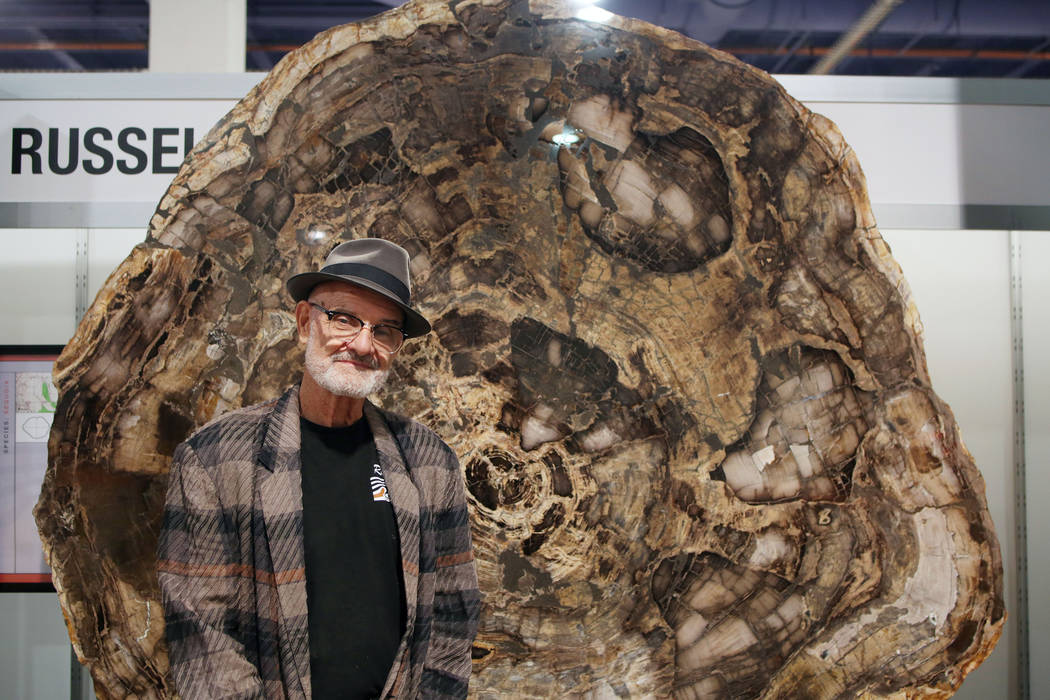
[(1020, 497), (80, 279), (77, 687), (76, 676)]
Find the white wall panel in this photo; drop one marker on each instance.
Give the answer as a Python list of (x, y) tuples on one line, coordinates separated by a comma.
[(34, 648), (217, 30), (37, 286), (107, 248), (946, 153)]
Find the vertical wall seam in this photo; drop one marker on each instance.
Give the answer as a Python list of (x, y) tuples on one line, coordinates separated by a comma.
[(1020, 495), (80, 274), (80, 304), (76, 676)]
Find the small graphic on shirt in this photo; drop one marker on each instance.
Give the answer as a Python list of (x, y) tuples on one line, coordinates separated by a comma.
[(379, 492)]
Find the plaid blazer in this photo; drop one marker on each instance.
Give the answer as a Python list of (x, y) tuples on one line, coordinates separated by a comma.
[(231, 566)]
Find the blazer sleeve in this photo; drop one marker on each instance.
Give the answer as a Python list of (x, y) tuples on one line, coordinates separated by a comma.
[(457, 599), (199, 573)]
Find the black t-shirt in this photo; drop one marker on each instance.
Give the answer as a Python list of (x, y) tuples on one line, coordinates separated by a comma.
[(354, 588)]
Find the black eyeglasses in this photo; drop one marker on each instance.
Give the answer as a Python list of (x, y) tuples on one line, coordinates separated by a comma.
[(345, 326)]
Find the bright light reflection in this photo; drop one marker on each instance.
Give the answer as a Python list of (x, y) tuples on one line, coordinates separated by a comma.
[(593, 13), (566, 137)]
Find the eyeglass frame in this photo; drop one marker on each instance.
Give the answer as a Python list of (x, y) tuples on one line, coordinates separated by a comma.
[(364, 324)]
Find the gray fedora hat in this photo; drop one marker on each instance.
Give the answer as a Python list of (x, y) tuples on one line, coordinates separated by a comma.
[(371, 263)]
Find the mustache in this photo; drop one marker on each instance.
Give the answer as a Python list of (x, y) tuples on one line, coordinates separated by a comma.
[(348, 356)]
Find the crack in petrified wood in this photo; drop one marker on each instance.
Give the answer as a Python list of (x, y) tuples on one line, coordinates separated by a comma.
[(683, 375)]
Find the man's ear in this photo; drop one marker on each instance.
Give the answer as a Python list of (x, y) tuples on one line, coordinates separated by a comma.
[(302, 321)]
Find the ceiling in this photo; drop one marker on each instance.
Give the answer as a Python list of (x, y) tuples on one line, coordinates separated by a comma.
[(956, 38)]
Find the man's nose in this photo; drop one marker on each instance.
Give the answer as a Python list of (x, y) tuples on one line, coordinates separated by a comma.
[(363, 343)]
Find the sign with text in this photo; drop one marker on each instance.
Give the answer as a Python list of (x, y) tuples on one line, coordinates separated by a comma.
[(98, 150), (27, 406)]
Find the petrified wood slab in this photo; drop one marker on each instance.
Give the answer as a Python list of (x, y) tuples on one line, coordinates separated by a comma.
[(682, 372)]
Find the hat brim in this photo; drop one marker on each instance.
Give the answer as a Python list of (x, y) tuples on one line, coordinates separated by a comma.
[(300, 286)]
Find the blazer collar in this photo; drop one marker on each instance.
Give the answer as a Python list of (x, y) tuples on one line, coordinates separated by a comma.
[(281, 502), (404, 497), (280, 435)]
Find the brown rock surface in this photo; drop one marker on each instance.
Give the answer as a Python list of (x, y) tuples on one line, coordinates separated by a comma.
[(682, 372)]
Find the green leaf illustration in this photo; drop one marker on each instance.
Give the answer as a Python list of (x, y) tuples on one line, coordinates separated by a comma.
[(50, 405)]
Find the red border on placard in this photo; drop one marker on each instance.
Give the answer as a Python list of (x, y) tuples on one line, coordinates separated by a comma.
[(25, 578)]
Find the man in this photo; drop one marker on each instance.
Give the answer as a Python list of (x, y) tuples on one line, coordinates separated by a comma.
[(316, 545)]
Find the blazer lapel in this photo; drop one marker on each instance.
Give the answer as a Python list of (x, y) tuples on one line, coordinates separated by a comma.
[(281, 498), (405, 499)]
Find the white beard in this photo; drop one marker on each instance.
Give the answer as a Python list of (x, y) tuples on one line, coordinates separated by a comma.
[(340, 379)]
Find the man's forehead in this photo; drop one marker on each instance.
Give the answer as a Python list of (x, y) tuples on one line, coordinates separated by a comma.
[(347, 293)]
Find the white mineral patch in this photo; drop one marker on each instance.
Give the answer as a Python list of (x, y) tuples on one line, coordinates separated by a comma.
[(230, 390), (760, 429), (789, 389), (930, 432), (929, 594), (801, 453), (821, 487), (770, 547), (234, 153), (763, 458), (717, 228), (597, 118), (577, 186), (784, 486), (113, 369), (156, 313), (676, 203), (705, 689), (127, 423), (712, 595), (601, 438), (822, 379), (799, 436), (795, 414), (554, 352), (633, 191), (787, 611), (690, 631), (730, 637), (177, 233), (741, 475), (695, 242), (534, 432), (591, 213)]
